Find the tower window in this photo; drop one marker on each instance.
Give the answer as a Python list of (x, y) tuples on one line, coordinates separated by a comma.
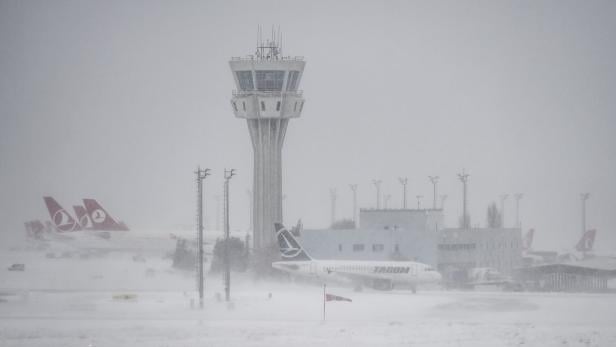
[(270, 80), (278, 106), (292, 82), (295, 107), (244, 105), (245, 79), (262, 106), (301, 107), (234, 106)]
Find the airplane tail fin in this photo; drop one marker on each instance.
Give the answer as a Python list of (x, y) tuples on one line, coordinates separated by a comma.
[(83, 217), (101, 219), (60, 217), (527, 243), (290, 249), (587, 241)]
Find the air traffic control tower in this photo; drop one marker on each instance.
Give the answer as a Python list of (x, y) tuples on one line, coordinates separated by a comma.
[(267, 97)]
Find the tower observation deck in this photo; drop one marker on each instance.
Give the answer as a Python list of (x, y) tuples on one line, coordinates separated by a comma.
[(267, 96)]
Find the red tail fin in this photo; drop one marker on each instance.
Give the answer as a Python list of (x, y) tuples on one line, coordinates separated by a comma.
[(83, 217), (587, 241), (101, 220), (59, 216), (527, 243)]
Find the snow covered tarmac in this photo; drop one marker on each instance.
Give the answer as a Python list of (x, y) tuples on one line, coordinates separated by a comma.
[(70, 302), (292, 317)]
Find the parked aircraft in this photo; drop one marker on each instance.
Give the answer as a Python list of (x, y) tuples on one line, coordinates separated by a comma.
[(378, 274)]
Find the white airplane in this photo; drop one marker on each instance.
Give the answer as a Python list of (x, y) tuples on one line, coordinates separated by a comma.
[(378, 274)]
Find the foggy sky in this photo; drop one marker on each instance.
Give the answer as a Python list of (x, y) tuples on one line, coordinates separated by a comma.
[(121, 101)]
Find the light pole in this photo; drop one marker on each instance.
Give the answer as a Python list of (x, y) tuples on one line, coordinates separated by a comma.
[(354, 190), (503, 197), (377, 184), (583, 198), (201, 175), (434, 180), (333, 196), (403, 181), (464, 179), (518, 197), (228, 175)]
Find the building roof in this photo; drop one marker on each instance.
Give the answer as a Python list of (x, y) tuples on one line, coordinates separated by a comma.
[(606, 265)]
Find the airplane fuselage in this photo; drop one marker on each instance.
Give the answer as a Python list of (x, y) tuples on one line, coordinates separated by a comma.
[(395, 272)]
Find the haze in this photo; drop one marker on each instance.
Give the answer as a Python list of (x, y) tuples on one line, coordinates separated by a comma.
[(122, 100)]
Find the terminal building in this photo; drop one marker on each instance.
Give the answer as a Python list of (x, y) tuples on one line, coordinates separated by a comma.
[(418, 235), (460, 250), (385, 234)]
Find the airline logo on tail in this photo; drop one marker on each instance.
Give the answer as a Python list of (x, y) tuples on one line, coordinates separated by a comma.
[(528, 239), (60, 217), (290, 249), (587, 241), (83, 217), (101, 220)]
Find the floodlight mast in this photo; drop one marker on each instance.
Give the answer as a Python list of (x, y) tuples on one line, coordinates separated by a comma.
[(377, 184), (434, 180), (201, 175), (227, 274), (354, 190), (464, 179), (403, 181)]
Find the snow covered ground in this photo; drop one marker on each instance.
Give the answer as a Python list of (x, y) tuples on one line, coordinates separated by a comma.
[(70, 302)]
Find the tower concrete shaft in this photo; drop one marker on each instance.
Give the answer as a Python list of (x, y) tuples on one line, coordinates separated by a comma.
[(267, 97)]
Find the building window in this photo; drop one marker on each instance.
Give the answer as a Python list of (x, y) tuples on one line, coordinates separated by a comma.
[(295, 107), (245, 79), (244, 105), (397, 248), (234, 106), (262, 106), (339, 247), (270, 80), (292, 82), (301, 107), (278, 106), (358, 247), (378, 247)]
